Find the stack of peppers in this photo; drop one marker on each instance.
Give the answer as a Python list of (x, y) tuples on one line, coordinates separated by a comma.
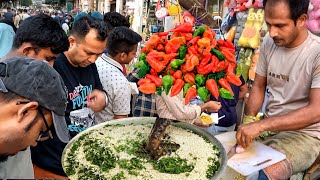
[(191, 60)]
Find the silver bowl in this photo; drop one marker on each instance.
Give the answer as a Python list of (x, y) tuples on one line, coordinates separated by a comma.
[(148, 120)]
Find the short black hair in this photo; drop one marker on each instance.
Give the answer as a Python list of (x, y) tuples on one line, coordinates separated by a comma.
[(115, 19), (8, 8), (296, 7), (25, 10), (122, 39), (9, 96), (42, 32), (83, 25)]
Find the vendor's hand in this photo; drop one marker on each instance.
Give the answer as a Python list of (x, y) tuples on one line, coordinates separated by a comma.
[(97, 100), (247, 133), (211, 106), (199, 123)]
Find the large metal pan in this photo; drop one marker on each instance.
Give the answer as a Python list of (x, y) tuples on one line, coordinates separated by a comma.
[(148, 120)]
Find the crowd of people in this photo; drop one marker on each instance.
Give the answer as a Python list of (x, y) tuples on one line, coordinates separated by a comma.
[(50, 76)]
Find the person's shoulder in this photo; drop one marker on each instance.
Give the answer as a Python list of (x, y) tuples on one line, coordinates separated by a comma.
[(60, 61), (314, 38)]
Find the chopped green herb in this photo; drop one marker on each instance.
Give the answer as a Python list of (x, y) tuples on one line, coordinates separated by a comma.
[(118, 176), (173, 165)]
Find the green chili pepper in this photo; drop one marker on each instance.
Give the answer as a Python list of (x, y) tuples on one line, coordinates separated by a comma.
[(217, 53), (182, 52), (203, 93), (139, 64), (199, 31), (167, 82), (200, 80), (144, 69), (185, 88), (225, 94), (159, 90), (176, 63), (142, 57)]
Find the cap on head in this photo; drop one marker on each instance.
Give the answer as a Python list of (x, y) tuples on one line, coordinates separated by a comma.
[(37, 81)]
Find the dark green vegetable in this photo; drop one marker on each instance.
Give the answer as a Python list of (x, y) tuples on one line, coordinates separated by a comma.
[(213, 167), (199, 31), (159, 90), (167, 82), (216, 76), (177, 63), (225, 94), (217, 53), (185, 88), (173, 165), (144, 69), (203, 93), (99, 155), (89, 173), (118, 176), (142, 57), (139, 64), (200, 80), (131, 165), (182, 52)]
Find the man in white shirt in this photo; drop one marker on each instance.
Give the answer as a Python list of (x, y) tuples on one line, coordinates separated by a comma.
[(122, 46)]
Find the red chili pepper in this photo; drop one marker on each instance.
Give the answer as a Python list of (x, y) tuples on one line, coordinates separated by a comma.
[(169, 48), (232, 78), (152, 43), (228, 55), (183, 68), (224, 83), (153, 72), (160, 47), (177, 87), (212, 86), (144, 50), (193, 41), (170, 56), (163, 34), (148, 88), (188, 36), (206, 69), (231, 68), (177, 74), (144, 80), (184, 28), (155, 64), (191, 62), (205, 60), (192, 50), (176, 34), (155, 79), (191, 93), (215, 61), (209, 33), (189, 78), (222, 65), (163, 40)]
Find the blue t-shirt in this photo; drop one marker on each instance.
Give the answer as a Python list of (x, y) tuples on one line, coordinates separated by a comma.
[(80, 82), (228, 107)]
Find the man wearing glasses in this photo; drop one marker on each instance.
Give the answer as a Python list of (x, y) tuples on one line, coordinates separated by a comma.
[(32, 98), (39, 37)]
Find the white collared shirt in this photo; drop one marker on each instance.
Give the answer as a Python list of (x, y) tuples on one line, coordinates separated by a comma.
[(117, 87)]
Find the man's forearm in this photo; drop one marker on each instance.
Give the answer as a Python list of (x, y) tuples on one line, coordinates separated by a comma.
[(255, 101), (294, 120)]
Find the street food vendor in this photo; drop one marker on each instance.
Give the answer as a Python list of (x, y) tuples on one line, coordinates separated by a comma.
[(289, 65)]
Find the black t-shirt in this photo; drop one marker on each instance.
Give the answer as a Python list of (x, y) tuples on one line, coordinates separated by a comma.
[(80, 82), (228, 106)]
